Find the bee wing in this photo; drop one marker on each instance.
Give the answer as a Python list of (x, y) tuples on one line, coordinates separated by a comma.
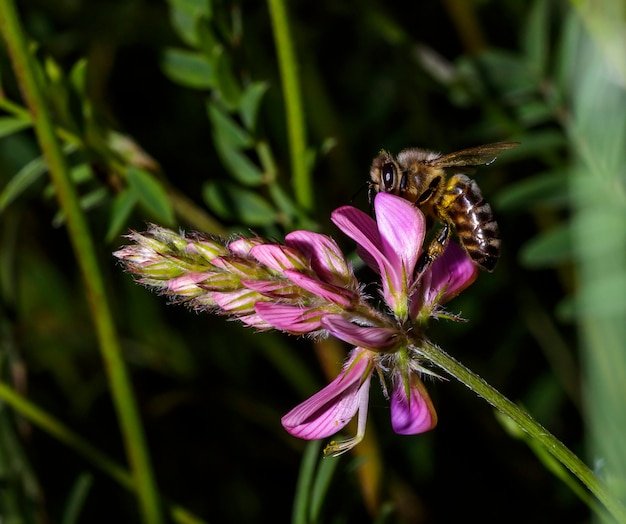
[(473, 156)]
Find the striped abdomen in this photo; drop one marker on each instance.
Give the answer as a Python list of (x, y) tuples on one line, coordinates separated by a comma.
[(473, 221)]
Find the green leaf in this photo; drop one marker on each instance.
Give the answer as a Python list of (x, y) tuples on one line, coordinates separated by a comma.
[(536, 38), (548, 189), (123, 205), (93, 199), (23, 179), (78, 76), (238, 164), (548, 248), (88, 201), (250, 102), (534, 112), (81, 173), (538, 143), (229, 130), (232, 202), (567, 55), (188, 68), (500, 71), (185, 14), (208, 42), (10, 125), (151, 194), (226, 81), (53, 71), (604, 296), (77, 498)]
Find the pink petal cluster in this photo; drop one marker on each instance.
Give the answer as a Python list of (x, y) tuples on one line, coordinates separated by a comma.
[(391, 246), (306, 286), (265, 285)]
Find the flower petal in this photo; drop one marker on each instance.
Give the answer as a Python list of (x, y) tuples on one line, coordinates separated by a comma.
[(278, 257), (362, 228), (242, 246), (394, 241), (325, 256), (328, 292), (282, 289), (412, 411), (255, 321), (237, 266), (330, 409), (453, 270), (292, 319), (372, 338), (188, 283), (239, 302), (402, 227)]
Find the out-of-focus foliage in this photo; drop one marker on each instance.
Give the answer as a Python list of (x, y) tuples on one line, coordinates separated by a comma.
[(173, 112)]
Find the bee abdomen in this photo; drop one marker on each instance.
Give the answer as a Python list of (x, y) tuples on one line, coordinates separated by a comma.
[(474, 223)]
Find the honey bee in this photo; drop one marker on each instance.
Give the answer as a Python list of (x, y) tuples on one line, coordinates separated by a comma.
[(439, 186)]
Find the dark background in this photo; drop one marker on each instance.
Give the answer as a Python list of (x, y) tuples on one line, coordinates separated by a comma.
[(210, 394)]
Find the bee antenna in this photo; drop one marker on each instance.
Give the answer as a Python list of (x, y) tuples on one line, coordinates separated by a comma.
[(358, 191)]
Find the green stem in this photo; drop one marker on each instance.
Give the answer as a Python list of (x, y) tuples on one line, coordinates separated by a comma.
[(548, 441), (56, 429), (63, 434), (293, 104), (119, 381)]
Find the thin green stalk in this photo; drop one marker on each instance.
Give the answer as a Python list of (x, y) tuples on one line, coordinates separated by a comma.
[(548, 441), (300, 510), (63, 434), (119, 382), (19, 112), (293, 104), (56, 429)]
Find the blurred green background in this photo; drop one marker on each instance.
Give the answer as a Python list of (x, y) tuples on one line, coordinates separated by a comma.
[(174, 112)]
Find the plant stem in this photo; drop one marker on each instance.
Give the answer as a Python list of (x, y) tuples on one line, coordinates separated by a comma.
[(63, 434), (119, 381), (293, 104), (548, 441)]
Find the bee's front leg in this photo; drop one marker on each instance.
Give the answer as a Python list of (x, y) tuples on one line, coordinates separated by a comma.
[(436, 247)]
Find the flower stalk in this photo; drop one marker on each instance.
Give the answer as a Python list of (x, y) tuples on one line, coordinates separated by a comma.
[(119, 381), (528, 424)]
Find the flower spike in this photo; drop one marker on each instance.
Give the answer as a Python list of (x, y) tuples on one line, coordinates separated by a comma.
[(308, 287)]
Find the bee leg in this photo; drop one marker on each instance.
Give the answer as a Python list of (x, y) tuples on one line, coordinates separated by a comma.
[(434, 250)]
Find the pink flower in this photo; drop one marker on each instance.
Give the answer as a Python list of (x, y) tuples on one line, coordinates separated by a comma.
[(329, 410), (307, 286), (391, 245)]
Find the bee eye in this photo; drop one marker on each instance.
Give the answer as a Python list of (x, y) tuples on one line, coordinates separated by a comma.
[(388, 175)]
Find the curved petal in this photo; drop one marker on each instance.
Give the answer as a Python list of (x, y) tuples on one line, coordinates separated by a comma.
[(451, 273), (329, 410), (362, 228), (326, 258), (329, 292), (238, 302), (187, 283), (292, 319), (373, 338), (255, 321), (412, 411), (279, 258), (402, 227), (242, 246)]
